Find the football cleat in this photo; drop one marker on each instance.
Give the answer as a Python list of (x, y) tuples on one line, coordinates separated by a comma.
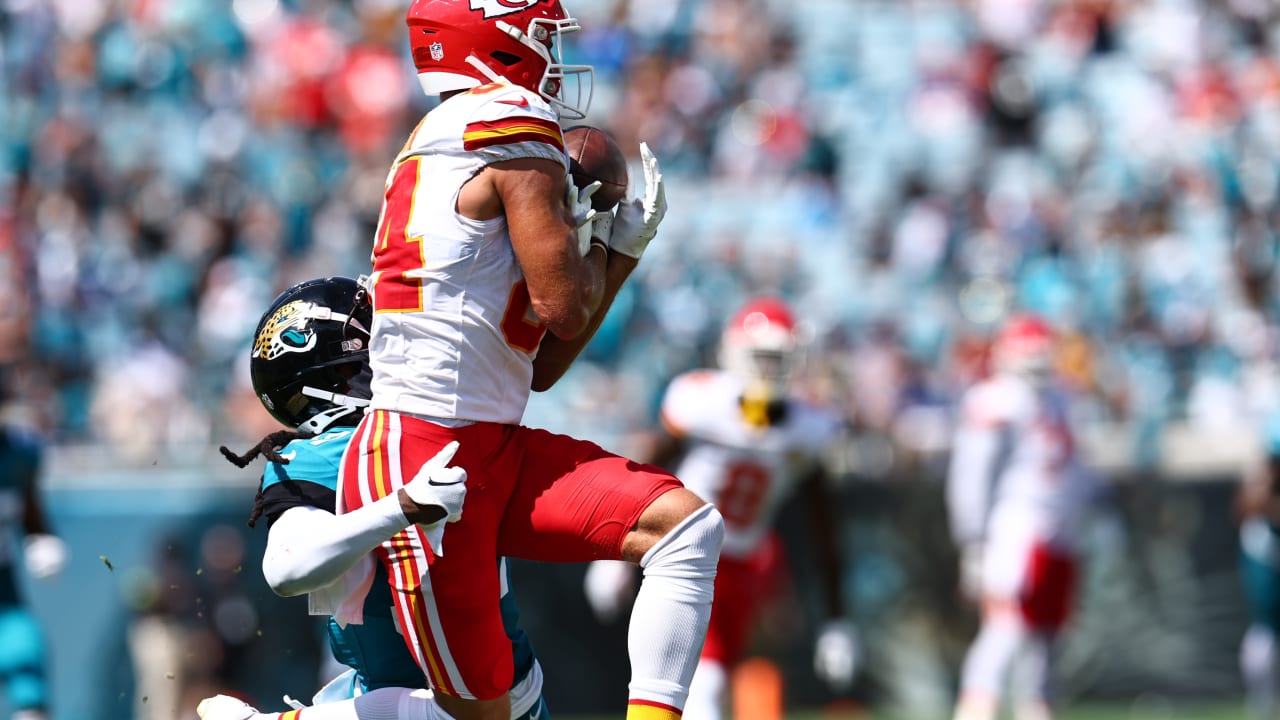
[(225, 707)]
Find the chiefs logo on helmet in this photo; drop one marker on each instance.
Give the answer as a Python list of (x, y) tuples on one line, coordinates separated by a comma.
[(498, 8)]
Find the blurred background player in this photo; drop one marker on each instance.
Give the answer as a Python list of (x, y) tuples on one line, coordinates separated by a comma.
[(491, 272), (744, 441), (23, 530), (310, 369), (1015, 489), (1258, 508)]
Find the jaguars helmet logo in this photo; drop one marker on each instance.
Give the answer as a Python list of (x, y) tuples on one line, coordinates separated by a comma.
[(288, 331)]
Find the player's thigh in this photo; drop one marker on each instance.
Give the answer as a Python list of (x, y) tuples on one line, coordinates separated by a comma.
[(1048, 587), (735, 608), (447, 605), (574, 501)]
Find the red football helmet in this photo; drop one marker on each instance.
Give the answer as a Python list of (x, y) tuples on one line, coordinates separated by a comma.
[(1024, 346), (459, 44), (760, 343)]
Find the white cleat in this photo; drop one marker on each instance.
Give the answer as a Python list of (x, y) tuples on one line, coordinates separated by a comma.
[(225, 707)]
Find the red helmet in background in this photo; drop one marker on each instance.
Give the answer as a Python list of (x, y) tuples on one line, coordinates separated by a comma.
[(761, 344), (1024, 346), (459, 44)]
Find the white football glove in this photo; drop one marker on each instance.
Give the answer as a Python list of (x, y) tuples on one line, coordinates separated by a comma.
[(837, 654), (636, 221), (579, 201), (442, 485), (608, 584), (225, 707), (46, 555)]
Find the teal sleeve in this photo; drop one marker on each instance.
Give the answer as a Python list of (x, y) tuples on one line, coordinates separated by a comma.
[(315, 460)]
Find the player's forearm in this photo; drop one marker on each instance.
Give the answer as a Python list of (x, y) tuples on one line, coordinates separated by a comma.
[(555, 355), (309, 548)]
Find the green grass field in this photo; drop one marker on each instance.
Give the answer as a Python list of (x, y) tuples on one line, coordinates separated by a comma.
[(1137, 710)]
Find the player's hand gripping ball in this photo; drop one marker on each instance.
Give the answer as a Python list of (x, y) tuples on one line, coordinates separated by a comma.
[(594, 156)]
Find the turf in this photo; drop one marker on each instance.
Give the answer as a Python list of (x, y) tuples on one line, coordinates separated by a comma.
[(1140, 709)]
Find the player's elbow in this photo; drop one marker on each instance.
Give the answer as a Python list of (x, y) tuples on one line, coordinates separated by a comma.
[(286, 579), (566, 321)]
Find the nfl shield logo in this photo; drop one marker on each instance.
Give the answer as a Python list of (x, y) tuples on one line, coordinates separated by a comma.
[(437, 51)]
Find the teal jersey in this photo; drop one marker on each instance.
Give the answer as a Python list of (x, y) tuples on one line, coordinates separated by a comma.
[(374, 649), (20, 454)]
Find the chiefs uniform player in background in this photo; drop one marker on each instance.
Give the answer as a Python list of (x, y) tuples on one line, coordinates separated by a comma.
[(747, 444), (1015, 490)]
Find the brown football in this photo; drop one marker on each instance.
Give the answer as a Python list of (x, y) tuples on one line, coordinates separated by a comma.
[(594, 155)]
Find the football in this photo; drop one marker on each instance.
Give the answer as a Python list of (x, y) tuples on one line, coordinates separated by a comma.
[(594, 155)]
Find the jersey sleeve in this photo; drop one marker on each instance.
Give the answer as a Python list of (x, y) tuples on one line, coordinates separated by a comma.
[(509, 122), (309, 479), (977, 449), (684, 405)]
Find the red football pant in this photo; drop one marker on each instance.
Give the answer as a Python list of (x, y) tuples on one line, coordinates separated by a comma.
[(531, 494), (742, 587), (1049, 588)]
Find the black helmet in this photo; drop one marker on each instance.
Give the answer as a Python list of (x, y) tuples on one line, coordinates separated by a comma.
[(310, 357)]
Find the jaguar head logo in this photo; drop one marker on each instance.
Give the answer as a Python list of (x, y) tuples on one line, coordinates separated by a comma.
[(288, 330)]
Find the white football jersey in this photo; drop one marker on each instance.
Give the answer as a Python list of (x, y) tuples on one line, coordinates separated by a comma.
[(454, 333), (1015, 461), (748, 472)]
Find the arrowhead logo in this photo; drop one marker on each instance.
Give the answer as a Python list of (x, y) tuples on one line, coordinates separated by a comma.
[(498, 8)]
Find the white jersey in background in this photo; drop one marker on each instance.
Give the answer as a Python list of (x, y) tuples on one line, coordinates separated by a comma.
[(454, 332), (748, 472), (1015, 467)]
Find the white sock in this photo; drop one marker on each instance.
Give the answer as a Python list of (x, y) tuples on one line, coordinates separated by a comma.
[(707, 692), (670, 615), (1258, 666), (985, 668), (1035, 677)]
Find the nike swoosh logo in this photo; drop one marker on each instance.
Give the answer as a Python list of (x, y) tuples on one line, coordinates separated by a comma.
[(521, 103), (536, 711), (440, 484)]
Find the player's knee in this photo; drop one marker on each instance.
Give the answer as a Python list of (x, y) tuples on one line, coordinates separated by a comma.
[(691, 549)]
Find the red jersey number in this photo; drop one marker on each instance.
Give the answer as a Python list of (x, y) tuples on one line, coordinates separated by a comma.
[(742, 497), (520, 326), (395, 253)]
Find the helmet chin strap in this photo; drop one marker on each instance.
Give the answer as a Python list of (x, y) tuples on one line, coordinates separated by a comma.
[(485, 70), (345, 405)]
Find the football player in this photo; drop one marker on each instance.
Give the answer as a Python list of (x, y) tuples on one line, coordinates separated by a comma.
[(491, 272), (1258, 506), (748, 444), (24, 531), (309, 367), (1015, 490)]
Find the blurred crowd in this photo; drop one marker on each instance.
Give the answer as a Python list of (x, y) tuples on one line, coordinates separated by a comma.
[(906, 172)]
